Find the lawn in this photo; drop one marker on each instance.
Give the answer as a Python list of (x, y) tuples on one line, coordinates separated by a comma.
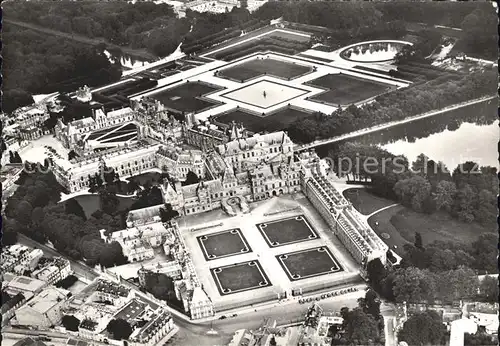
[(308, 263), (186, 97), (223, 244), (401, 224), (365, 202), (271, 122), (240, 277), (286, 231), (346, 90), (258, 67), (290, 36)]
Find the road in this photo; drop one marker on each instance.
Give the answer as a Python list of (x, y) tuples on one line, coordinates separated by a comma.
[(190, 334), (193, 333), (385, 126), (140, 53)]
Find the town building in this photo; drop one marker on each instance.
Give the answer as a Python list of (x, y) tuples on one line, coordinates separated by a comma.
[(10, 306), (30, 120), (44, 310), (199, 304), (53, 270), (24, 285), (107, 300), (19, 258)]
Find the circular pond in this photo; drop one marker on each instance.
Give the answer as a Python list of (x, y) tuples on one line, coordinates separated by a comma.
[(373, 51)]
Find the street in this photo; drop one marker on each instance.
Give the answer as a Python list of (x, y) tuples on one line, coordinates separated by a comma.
[(191, 333)]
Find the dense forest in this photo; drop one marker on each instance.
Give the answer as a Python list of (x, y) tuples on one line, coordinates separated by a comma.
[(40, 63), (157, 27), (37, 64)]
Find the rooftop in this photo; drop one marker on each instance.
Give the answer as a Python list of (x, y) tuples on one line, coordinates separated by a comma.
[(47, 299), (29, 342), (112, 288), (264, 140), (24, 283), (132, 310)]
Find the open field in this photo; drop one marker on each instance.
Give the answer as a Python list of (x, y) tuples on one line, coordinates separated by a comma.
[(345, 90), (271, 122), (258, 67), (365, 202), (185, 97), (287, 231), (401, 224)]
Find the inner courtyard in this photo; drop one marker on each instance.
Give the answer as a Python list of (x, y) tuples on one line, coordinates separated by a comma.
[(293, 227)]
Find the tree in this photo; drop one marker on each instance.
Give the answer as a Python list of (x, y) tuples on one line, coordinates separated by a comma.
[(12, 158), (119, 329), (376, 274), (418, 241), (73, 207), (484, 249), (272, 342), (420, 164), (413, 191), (465, 202), (361, 328), (108, 201), (191, 178), (23, 212), (70, 322), (162, 287), (425, 328), (370, 304), (479, 339), (17, 158), (488, 289), (445, 195), (168, 213), (413, 285), (111, 255)]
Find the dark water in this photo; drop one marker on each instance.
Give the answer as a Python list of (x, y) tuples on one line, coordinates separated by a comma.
[(468, 133), (90, 203)]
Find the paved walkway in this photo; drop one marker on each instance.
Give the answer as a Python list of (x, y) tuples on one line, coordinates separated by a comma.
[(378, 211)]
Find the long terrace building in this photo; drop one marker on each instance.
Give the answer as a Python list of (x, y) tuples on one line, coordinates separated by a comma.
[(361, 241)]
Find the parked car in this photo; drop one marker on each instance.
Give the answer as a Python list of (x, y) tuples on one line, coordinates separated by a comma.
[(223, 317), (323, 296), (234, 315)]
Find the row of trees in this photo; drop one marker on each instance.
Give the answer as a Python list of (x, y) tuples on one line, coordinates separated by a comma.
[(396, 105), (415, 285)]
